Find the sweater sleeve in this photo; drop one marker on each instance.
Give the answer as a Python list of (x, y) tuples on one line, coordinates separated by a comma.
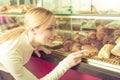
[(57, 72), (13, 64)]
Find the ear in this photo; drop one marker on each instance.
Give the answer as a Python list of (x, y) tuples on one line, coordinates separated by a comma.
[(32, 30)]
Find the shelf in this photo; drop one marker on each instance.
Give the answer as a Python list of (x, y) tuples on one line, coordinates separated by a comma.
[(90, 16), (86, 16), (13, 14)]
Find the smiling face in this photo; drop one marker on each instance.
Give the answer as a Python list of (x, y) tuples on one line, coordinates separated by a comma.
[(45, 34), (40, 26)]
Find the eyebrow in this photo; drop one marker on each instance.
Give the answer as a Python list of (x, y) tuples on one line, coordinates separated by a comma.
[(52, 25)]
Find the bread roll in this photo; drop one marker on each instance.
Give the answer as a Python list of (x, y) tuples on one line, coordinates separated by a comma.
[(75, 47), (108, 40), (100, 36), (67, 45), (96, 43), (76, 37), (90, 50), (92, 34)]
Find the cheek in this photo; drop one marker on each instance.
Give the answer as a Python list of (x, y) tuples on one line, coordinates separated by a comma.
[(44, 36)]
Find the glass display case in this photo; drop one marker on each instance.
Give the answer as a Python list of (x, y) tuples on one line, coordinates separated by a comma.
[(72, 18), (67, 25)]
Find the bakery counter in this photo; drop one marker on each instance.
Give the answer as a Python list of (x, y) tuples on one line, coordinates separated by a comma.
[(84, 67)]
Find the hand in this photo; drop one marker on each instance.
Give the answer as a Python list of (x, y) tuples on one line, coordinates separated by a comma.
[(74, 58), (46, 51)]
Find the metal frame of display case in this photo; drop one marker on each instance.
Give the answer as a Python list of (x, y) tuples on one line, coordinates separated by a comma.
[(91, 16)]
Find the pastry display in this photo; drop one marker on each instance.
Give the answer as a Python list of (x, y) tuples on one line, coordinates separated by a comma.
[(99, 41)]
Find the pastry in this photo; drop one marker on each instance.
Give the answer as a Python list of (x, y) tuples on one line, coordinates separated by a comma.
[(75, 47), (67, 44), (90, 50), (105, 51)]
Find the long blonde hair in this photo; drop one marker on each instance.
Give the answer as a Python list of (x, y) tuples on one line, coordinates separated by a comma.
[(33, 19)]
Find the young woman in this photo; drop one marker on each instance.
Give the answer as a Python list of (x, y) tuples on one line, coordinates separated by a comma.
[(17, 46)]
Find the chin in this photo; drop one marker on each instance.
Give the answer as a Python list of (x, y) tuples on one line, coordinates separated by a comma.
[(47, 43)]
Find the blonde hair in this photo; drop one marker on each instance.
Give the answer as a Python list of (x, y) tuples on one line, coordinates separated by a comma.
[(33, 19)]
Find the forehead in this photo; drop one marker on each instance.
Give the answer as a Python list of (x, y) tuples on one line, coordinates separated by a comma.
[(50, 22)]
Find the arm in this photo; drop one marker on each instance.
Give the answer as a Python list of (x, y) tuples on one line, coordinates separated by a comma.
[(58, 71), (70, 61), (14, 65)]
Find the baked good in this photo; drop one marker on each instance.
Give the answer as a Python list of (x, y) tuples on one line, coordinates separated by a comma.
[(96, 43), (117, 40), (75, 46), (116, 50), (3, 8), (100, 36), (108, 40), (90, 50), (116, 33), (67, 44), (84, 40), (76, 37), (105, 51), (101, 28), (91, 34)]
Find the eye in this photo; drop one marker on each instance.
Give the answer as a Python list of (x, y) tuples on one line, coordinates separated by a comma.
[(55, 27), (51, 28)]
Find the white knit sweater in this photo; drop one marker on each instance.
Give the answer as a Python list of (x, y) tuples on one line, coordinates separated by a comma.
[(14, 54)]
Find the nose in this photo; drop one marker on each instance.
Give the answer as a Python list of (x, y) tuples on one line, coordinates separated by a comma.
[(55, 33)]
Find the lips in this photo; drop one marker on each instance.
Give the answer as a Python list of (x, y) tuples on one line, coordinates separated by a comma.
[(51, 40)]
